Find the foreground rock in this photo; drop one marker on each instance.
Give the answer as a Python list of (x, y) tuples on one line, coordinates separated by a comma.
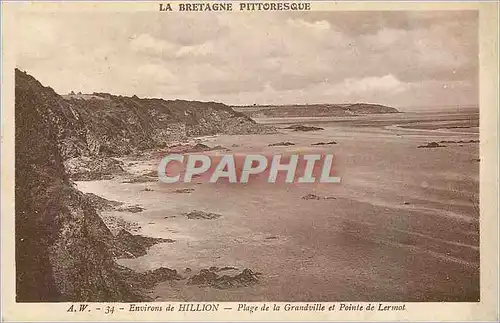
[(127, 245), (208, 277), (143, 282)]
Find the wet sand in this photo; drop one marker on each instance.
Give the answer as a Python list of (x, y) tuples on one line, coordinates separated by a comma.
[(402, 225)]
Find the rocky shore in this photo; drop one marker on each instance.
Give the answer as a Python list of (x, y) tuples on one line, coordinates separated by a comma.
[(64, 250)]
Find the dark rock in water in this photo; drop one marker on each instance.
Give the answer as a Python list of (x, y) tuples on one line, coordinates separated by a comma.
[(298, 127), (127, 245), (458, 141), (184, 190), (187, 270), (188, 148), (140, 179), (324, 143), (316, 197), (282, 143), (431, 145), (271, 238), (147, 189), (311, 197), (131, 209), (209, 278), (193, 215), (100, 203)]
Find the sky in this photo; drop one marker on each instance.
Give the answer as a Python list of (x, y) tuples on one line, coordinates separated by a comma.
[(403, 59)]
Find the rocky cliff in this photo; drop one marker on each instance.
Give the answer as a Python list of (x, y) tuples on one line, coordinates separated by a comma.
[(89, 129), (105, 124), (64, 251), (112, 125), (61, 242)]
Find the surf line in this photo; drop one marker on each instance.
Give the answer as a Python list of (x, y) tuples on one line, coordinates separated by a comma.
[(239, 169)]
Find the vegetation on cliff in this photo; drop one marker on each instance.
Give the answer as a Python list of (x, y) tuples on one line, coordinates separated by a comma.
[(64, 250)]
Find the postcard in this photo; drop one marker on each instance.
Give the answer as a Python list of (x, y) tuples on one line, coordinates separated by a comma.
[(249, 161)]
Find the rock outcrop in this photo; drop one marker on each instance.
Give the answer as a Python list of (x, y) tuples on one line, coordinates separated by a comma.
[(111, 125), (299, 127), (61, 242), (432, 144), (208, 277), (64, 251)]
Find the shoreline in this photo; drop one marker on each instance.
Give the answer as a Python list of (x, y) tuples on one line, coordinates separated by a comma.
[(201, 244)]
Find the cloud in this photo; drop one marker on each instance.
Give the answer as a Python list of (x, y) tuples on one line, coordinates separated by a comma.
[(386, 84), (396, 58), (195, 51), (146, 43)]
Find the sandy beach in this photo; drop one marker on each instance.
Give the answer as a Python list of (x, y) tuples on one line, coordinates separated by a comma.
[(401, 226)]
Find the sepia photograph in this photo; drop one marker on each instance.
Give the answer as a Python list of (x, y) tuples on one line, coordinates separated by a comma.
[(267, 154), (101, 98)]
